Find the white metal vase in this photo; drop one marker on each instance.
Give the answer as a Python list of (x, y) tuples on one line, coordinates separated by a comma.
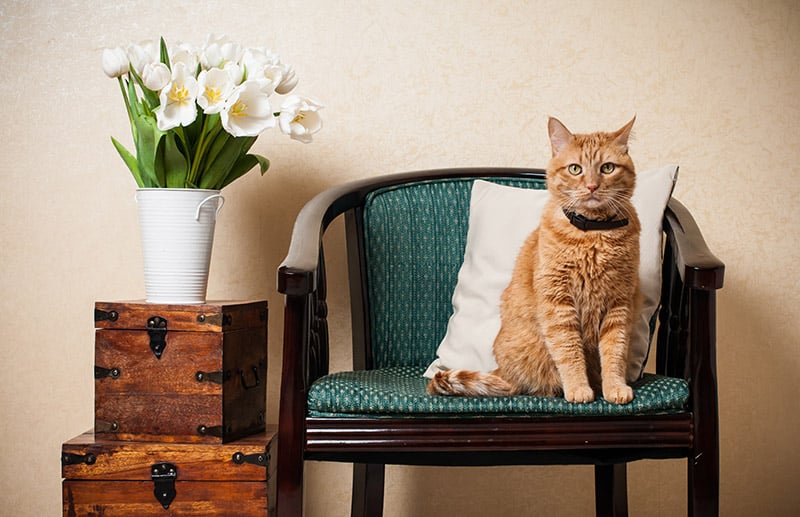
[(177, 229)]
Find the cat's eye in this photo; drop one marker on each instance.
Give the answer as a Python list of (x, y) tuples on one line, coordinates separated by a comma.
[(574, 169), (607, 168)]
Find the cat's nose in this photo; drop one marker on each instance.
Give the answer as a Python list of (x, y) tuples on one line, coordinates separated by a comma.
[(591, 187)]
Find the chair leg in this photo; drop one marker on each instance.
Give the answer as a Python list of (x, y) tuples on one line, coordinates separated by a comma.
[(286, 487), (611, 490), (367, 490), (703, 479)]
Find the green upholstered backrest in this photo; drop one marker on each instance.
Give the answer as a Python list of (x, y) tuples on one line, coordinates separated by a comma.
[(415, 235)]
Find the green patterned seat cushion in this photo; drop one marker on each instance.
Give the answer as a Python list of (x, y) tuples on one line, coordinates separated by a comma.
[(400, 391)]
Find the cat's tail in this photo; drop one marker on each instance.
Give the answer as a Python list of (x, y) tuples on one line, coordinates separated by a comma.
[(469, 384)]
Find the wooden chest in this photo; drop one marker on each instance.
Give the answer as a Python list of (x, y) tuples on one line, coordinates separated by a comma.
[(180, 373), (128, 478)]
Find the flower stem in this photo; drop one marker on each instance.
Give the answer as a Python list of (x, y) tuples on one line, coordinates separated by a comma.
[(182, 135), (207, 133), (127, 105)]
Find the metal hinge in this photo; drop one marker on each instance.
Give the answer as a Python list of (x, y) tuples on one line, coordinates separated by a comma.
[(163, 476), (261, 459), (102, 426), (100, 372), (70, 458), (215, 377), (157, 330), (215, 430), (105, 315)]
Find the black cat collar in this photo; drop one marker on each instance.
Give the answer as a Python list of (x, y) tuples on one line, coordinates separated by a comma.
[(582, 223)]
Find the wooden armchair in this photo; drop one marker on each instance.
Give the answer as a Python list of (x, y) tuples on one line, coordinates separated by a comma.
[(379, 413)]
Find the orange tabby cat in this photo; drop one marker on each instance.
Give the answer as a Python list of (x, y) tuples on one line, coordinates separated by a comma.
[(567, 314)]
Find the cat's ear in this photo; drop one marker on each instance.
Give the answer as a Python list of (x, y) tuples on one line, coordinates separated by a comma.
[(559, 135), (622, 135)]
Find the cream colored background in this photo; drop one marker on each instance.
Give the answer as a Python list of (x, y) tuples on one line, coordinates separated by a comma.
[(409, 85)]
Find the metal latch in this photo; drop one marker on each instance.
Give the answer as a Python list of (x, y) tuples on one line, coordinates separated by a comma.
[(163, 476), (70, 458), (261, 459), (157, 330)]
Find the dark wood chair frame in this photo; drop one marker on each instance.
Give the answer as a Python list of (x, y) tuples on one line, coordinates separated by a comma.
[(685, 348)]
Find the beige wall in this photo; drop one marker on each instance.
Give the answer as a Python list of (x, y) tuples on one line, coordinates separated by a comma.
[(409, 85)]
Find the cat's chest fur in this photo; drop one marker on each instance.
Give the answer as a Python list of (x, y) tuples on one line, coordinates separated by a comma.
[(586, 265), (591, 258)]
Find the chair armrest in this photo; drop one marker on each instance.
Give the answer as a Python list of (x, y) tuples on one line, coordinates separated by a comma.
[(698, 267), (298, 273), (690, 278)]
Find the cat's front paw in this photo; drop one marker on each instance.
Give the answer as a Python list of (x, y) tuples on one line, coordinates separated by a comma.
[(618, 393), (580, 394)]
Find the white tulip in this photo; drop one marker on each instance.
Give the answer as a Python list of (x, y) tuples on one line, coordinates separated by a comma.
[(115, 62), (178, 100), (288, 81), (186, 54), (219, 51), (235, 71), (144, 53), (255, 59), (299, 118), (269, 77), (247, 112), (156, 76), (263, 66), (214, 86)]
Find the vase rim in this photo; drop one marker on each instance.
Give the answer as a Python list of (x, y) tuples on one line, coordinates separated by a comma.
[(162, 189)]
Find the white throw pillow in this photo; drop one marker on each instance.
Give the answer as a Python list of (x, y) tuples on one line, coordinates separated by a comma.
[(500, 220)]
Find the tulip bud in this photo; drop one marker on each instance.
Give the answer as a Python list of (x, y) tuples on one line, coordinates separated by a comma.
[(288, 82), (156, 76), (115, 62)]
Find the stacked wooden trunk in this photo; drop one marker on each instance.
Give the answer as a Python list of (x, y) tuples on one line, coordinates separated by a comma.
[(180, 405)]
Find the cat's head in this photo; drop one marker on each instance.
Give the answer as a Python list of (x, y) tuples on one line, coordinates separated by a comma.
[(591, 174)]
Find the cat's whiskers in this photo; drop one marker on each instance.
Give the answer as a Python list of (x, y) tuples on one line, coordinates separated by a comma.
[(622, 208), (599, 204)]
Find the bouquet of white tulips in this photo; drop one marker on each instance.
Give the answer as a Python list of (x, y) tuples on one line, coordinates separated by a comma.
[(195, 112)]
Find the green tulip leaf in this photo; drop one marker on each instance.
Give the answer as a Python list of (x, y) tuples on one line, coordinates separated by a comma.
[(146, 148), (263, 162), (130, 161), (244, 165), (223, 162), (149, 95), (220, 140), (240, 168), (171, 164), (133, 100), (164, 53)]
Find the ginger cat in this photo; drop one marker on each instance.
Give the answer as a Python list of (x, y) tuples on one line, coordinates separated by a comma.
[(567, 314)]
